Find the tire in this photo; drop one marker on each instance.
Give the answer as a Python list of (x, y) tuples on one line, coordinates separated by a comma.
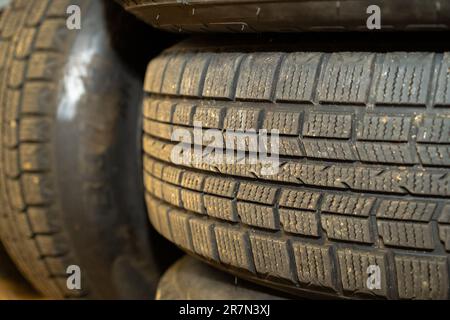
[(70, 181), (190, 279), (363, 178), (288, 15)]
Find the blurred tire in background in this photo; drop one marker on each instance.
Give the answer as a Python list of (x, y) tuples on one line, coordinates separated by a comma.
[(70, 179)]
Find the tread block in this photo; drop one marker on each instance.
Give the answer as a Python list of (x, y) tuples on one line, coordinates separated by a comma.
[(209, 117), (155, 73), (220, 186), (37, 13), (24, 229), (354, 267), (328, 125), (12, 105), (406, 234), (444, 235), (271, 257), (297, 74), (173, 73), (299, 199), (233, 246), (11, 163), (164, 225), (157, 188), (11, 25), (283, 122), (444, 217), (288, 146), (257, 215), (328, 149), (148, 181), (153, 185), (183, 113), (434, 130), (385, 152), (34, 157), (172, 175), (150, 108), (347, 228), (384, 128), (158, 129), (426, 183), (314, 264), (192, 181), (44, 66), (11, 135), (4, 50), (152, 211), (16, 75), (406, 210), (52, 35), (244, 140), (421, 278), (157, 169), (165, 111), (242, 119), (179, 226), (39, 98), (256, 192), (442, 97), (15, 196), (257, 75), (35, 129), (38, 189), (434, 155), (222, 75), (193, 75), (220, 208), (192, 201), (347, 205), (171, 194), (346, 78), (203, 239), (400, 68), (300, 222)]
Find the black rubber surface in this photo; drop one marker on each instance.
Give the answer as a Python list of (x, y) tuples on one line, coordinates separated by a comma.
[(191, 279), (364, 174), (70, 183), (289, 15)]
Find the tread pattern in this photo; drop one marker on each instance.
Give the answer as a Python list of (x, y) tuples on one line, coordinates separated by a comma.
[(360, 182), (34, 38)]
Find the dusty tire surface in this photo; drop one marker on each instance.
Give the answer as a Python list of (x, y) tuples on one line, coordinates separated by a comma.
[(70, 183), (288, 15), (363, 177)]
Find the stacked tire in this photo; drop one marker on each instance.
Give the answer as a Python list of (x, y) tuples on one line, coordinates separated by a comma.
[(363, 181), (71, 195)]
